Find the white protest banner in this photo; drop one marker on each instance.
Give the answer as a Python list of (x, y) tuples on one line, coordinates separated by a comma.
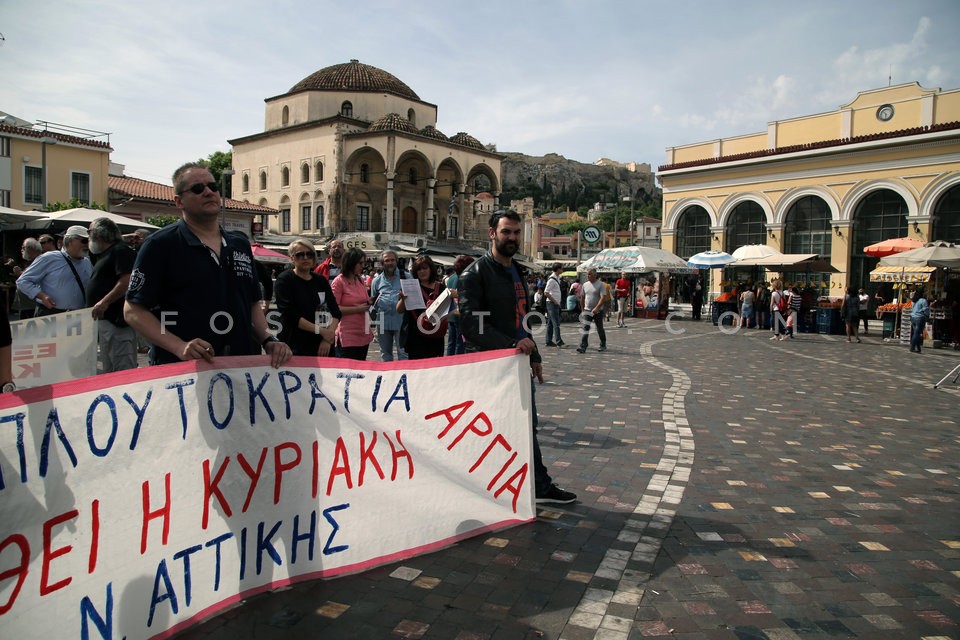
[(134, 504), (54, 348)]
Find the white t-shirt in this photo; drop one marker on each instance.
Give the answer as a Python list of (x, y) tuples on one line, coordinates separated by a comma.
[(552, 290), (592, 292)]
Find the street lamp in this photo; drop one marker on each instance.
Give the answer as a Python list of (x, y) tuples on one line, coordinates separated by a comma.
[(44, 141), (630, 200)]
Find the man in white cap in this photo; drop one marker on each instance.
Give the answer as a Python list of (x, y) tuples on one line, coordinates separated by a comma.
[(57, 280)]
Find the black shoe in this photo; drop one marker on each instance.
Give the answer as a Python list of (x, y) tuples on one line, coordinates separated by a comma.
[(602, 348), (581, 350), (550, 344), (556, 495)]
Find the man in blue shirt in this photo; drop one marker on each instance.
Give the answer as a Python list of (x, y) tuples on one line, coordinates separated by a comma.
[(919, 317), (57, 280), (385, 289), (193, 291)]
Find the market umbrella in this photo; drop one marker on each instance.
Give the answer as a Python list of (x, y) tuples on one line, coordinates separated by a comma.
[(933, 254), (636, 260), (710, 260), (891, 246), (750, 251), (263, 254), (58, 221)]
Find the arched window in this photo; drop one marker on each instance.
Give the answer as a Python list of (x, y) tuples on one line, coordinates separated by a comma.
[(946, 216), (285, 116), (364, 173), (807, 227), (745, 226), (346, 109), (318, 174), (413, 175), (319, 213), (263, 181), (246, 182), (881, 215), (412, 116), (304, 173), (693, 231), (285, 177)]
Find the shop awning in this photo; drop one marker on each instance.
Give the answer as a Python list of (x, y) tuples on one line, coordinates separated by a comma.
[(776, 260), (902, 274)]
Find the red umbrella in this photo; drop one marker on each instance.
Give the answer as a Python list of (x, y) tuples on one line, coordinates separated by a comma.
[(892, 246), (263, 254)]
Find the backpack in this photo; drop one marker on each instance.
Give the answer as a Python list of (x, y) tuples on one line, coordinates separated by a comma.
[(781, 302)]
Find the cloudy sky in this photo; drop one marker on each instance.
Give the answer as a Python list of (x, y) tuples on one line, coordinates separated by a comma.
[(586, 79)]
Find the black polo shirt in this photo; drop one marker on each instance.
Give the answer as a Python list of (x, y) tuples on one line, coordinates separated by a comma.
[(108, 267), (193, 294)]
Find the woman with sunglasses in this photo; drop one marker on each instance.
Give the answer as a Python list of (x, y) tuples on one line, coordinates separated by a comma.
[(423, 338), (309, 313), (354, 333)]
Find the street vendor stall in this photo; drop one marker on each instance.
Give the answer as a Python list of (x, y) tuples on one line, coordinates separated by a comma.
[(637, 261)]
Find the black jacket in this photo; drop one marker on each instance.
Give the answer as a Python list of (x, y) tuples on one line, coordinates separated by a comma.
[(488, 306)]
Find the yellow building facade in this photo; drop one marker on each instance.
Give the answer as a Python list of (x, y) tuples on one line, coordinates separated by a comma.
[(886, 165)]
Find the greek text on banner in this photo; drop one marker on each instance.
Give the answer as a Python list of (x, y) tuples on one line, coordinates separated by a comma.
[(135, 504)]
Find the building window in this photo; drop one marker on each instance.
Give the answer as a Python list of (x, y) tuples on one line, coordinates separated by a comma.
[(304, 173), (746, 225), (807, 227), (263, 181), (4, 147), (346, 109), (412, 117), (246, 182), (285, 177), (305, 217), (5, 198), (363, 218), (319, 172), (364, 173), (284, 220), (80, 187), (33, 185), (693, 232), (413, 175), (319, 217), (453, 227), (285, 116)]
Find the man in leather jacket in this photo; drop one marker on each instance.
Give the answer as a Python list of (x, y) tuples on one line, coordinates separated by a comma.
[(493, 306)]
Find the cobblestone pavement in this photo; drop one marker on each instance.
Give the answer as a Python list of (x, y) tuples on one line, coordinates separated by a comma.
[(730, 487)]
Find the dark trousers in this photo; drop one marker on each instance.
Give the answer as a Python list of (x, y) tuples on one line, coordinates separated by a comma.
[(597, 319), (541, 477), (916, 334)]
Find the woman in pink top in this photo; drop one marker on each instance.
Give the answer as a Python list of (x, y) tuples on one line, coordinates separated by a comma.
[(354, 333)]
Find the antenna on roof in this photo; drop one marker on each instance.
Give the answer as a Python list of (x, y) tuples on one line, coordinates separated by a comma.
[(890, 75)]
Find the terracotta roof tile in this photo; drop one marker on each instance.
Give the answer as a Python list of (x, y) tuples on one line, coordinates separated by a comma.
[(146, 190)]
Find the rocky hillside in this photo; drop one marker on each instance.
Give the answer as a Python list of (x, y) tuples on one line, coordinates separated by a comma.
[(554, 181)]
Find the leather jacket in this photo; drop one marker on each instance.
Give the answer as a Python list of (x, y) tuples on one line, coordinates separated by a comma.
[(488, 306)]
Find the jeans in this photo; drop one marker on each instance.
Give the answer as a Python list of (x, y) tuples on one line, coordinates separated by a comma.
[(597, 319), (455, 343), (386, 338), (553, 323), (916, 334), (541, 477)]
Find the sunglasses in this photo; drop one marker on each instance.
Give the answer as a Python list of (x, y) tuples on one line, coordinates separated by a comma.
[(46, 242), (304, 255), (200, 186)]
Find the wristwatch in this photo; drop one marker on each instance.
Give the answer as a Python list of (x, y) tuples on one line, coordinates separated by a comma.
[(8, 387), (267, 341)]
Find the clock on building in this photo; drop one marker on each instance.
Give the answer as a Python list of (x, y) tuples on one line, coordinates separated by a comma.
[(885, 112)]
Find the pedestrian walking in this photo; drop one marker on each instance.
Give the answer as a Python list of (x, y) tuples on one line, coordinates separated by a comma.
[(592, 293)]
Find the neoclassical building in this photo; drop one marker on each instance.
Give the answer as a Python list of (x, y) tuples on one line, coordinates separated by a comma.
[(352, 151), (886, 165)]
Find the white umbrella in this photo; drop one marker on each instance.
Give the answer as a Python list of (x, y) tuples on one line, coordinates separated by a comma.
[(933, 254), (754, 251), (60, 220), (9, 216), (636, 260), (710, 260)]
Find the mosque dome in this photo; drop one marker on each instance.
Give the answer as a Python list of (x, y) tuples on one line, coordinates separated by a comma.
[(466, 140), (354, 76), (393, 122), (431, 131)]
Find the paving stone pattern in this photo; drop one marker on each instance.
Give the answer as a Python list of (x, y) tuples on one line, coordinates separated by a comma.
[(730, 488)]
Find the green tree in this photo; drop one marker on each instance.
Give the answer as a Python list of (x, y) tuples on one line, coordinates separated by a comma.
[(217, 162), (161, 220), (74, 203)]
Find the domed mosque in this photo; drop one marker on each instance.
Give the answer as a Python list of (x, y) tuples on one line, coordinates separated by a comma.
[(352, 151)]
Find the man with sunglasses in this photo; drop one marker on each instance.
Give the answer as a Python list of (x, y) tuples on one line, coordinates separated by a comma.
[(57, 280), (193, 291), (47, 243)]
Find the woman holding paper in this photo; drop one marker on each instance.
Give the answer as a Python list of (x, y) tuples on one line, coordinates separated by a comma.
[(354, 333), (424, 335), (309, 314)]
